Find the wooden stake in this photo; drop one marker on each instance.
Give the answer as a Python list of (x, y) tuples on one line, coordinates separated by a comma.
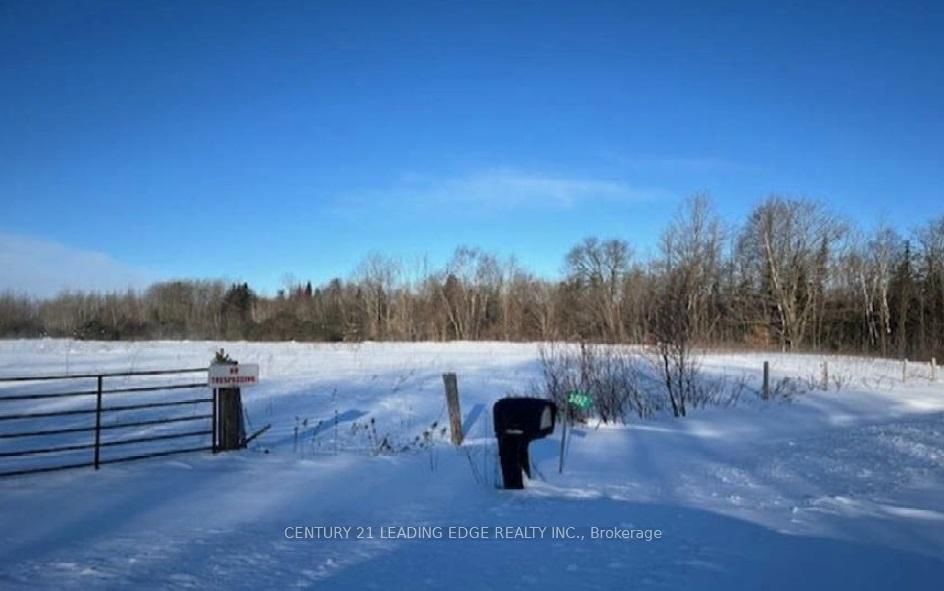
[(231, 431), (452, 402), (766, 391), (904, 371), (933, 369), (825, 375), (98, 423), (560, 466), (215, 428)]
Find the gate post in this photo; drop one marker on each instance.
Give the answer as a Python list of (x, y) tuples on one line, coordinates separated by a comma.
[(213, 442), (98, 422), (229, 433), (230, 417)]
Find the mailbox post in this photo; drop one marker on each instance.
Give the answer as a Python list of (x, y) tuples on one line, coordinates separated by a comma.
[(518, 422)]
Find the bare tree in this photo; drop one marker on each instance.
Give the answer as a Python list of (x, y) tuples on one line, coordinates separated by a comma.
[(931, 322), (871, 263), (787, 244), (378, 277), (691, 249), (598, 270), (672, 354)]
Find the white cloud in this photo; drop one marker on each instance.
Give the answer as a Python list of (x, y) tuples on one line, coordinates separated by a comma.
[(504, 189), (684, 165), (40, 267)]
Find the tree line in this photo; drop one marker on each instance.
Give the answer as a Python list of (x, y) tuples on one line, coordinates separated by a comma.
[(793, 276)]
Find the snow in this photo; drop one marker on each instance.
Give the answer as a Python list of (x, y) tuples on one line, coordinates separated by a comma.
[(837, 489)]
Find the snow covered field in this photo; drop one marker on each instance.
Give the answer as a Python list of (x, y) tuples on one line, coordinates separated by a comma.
[(838, 489)]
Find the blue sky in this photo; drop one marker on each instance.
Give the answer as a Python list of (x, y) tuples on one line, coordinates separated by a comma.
[(247, 140)]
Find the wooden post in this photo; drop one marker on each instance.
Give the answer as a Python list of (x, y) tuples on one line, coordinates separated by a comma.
[(560, 466), (904, 371), (933, 369), (766, 390), (452, 402), (825, 375), (215, 429), (98, 423), (231, 431)]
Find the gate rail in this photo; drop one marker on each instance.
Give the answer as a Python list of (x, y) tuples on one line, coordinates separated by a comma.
[(100, 393)]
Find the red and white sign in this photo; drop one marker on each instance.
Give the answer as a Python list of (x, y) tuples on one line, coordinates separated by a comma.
[(222, 375)]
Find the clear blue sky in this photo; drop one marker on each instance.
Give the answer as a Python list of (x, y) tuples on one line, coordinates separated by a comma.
[(247, 140)]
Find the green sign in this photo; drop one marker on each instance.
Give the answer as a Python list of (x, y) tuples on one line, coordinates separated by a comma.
[(579, 399)]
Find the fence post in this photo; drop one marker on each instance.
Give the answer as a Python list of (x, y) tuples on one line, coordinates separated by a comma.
[(568, 416), (98, 421), (933, 369), (825, 375), (452, 401), (766, 391), (904, 371), (231, 432), (213, 442)]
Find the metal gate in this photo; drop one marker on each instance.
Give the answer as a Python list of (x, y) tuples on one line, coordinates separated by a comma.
[(50, 423)]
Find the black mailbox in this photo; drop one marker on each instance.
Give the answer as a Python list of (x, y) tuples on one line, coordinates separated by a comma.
[(518, 422)]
